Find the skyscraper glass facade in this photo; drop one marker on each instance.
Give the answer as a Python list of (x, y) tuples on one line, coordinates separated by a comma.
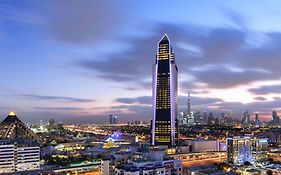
[(165, 96)]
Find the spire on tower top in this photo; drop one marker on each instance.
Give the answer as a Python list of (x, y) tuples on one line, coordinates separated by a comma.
[(188, 104), (164, 39)]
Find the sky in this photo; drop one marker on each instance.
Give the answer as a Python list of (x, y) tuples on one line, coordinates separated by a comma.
[(79, 61)]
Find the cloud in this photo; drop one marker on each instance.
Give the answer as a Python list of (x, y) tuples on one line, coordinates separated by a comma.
[(193, 87), (195, 101), (265, 106), (260, 98), (60, 116), (147, 100), (273, 89), (83, 21), (220, 43), (56, 98), (136, 109), (140, 100), (13, 12), (132, 65), (58, 108), (265, 57), (218, 47), (223, 77)]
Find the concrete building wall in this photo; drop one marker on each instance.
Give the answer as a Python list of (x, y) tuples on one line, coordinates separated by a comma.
[(204, 146), (15, 158)]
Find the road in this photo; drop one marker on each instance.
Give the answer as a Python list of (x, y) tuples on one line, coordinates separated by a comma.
[(187, 164)]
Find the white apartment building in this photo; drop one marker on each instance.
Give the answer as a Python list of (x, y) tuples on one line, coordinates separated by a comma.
[(18, 157)]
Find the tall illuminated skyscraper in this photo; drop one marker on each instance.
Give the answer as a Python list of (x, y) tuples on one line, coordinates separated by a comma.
[(165, 96)]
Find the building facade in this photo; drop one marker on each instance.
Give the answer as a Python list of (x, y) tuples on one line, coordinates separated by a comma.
[(246, 149), (112, 119), (165, 96), (7, 163), (106, 168), (246, 119), (205, 145), (18, 157), (165, 167), (275, 119)]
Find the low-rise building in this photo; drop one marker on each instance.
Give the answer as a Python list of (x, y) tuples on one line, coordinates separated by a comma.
[(200, 145), (161, 167), (150, 161), (246, 149)]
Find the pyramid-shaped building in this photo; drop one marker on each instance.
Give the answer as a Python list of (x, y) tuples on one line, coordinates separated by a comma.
[(12, 127)]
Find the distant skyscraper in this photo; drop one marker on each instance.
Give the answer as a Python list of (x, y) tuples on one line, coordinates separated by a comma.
[(211, 119), (51, 124), (190, 119), (190, 115), (205, 118), (257, 121), (216, 121), (198, 117), (165, 96), (188, 104), (223, 119), (112, 119), (182, 118), (275, 118), (246, 119)]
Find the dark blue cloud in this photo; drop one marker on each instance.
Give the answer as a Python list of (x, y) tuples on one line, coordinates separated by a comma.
[(260, 98), (274, 89), (140, 100), (84, 21), (218, 47), (223, 77)]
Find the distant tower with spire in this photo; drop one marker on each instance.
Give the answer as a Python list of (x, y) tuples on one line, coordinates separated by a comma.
[(189, 113), (188, 104)]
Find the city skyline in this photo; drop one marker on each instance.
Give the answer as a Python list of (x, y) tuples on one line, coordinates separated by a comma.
[(82, 67)]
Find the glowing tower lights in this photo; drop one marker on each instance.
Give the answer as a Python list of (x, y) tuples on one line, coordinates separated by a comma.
[(165, 96)]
